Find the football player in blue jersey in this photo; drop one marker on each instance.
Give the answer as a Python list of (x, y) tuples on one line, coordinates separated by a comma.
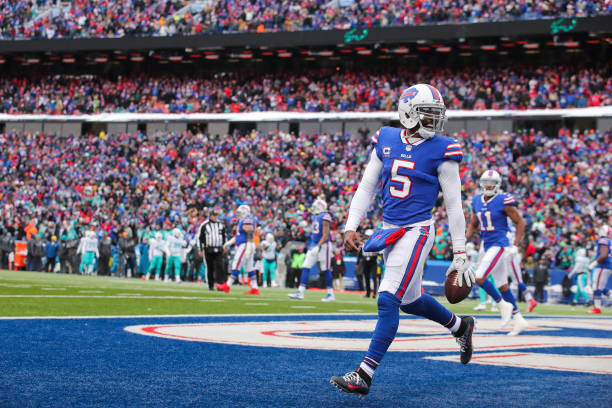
[(491, 212), (245, 251), (319, 249), (602, 267), (412, 164)]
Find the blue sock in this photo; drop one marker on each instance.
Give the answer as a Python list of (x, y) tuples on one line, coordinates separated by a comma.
[(491, 290), (304, 277), (329, 280), (235, 273), (597, 293), (522, 287), (386, 327), (429, 308), (509, 297)]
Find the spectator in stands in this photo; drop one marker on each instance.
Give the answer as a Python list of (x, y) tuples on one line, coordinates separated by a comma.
[(308, 90), (559, 179), (119, 18)]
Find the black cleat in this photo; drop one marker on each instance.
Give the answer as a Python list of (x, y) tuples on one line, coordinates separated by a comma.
[(351, 383), (465, 338)]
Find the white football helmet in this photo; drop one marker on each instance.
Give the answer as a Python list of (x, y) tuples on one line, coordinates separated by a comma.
[(243, 211), (90, 234), (490, 183), (422, 105), (581, 252), (604, 231), (177, 233), (270, 237), (159, 236), (318, 206)]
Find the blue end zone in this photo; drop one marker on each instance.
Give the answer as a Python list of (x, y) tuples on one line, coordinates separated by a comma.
[(94, 362)]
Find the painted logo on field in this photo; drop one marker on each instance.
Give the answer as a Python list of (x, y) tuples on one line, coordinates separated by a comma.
[(551, 343)]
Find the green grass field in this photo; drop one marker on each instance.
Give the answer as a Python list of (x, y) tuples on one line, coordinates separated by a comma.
[(41, 294)]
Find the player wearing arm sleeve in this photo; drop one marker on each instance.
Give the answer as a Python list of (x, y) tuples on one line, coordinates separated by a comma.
[(411, 165)]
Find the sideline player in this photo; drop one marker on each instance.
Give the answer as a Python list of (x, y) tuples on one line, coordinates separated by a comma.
[(602, 267), (318, 250), (491, 213), (581, 270), (88, 248), (157, 249), (413, 163), (245, 251)]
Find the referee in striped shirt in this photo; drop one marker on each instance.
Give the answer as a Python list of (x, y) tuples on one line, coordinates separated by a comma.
[(212, 236)]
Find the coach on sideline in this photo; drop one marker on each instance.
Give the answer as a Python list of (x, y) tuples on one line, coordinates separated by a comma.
[(211, 236)]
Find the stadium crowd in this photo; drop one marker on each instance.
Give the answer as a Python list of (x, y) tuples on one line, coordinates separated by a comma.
[(515, 87), (118, 18), (127, 186)]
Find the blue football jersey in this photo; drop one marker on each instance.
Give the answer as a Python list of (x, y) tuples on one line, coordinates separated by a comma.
[(317, 229), (601, 242), (409, 176), (494, 228), (242, 237)]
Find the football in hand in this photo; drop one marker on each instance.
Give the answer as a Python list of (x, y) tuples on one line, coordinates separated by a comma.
[(454, 293)]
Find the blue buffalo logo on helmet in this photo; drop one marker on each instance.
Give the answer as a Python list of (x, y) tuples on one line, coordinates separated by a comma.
[(409, 93)]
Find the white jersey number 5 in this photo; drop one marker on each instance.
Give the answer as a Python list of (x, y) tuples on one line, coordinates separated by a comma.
[(404, 191)]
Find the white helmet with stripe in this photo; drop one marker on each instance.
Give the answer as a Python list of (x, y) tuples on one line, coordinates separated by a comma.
[(319, 206), (243, 211), (490, 183), (604, 231), (422, 106)]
